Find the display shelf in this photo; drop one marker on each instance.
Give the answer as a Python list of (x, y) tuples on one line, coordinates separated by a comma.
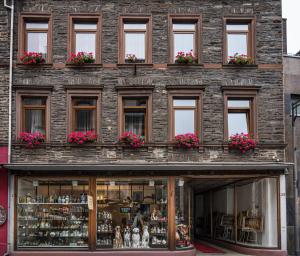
[(52, 246), (52, 204)]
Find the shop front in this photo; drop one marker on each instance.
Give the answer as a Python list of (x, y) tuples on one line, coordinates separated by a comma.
[(156, 215)]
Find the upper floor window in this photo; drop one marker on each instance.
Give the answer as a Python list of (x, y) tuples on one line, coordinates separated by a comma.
[(184, 113), (135, 40), (184, 36), (35, 35), (240, 113), (85, 35), (84, 111), (239, 38)]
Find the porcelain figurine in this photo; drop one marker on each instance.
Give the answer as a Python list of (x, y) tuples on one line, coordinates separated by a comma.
[(127, 242), (118, 238), (136, 238), (145, 237)]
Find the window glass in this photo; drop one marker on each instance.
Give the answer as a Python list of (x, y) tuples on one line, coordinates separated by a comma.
[(296, 101), (135, 44), (183, 43), (130, 208), (52, 213), (184, 103), (183, 26), (237, 43), (87, 26), (37, 42), (135, 122), (237, 123), (237, 27), (34, 101), (184, 121), (135, 26), (84, 102), (35, 120), (257, 213), (238, 103), (86, 42), (37, 25), (135, 102), (85, 120)]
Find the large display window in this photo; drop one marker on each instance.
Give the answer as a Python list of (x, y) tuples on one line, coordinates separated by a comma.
[(132, 213), (52, 213)]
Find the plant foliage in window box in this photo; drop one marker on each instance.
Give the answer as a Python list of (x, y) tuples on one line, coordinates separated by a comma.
[(81, 138), (81, 58), (131, 58), (186, 58), (241, 142), (31, 139), (187, 141), (32, 58), (131, 139), (240, 59)]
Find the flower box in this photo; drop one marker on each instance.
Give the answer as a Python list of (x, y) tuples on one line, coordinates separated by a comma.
[(81, 58), (31, 140), (187, 141), (32, 58), (132, 59), (241, 142), (80, 138), (186, 58), (240, 60), (131, 139)]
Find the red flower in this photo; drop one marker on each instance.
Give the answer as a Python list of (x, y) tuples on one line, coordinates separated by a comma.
[(188, 140), (31, 139), (81, 58), (32, 58), (241, 142), (132, 139), (80, 138), (188, 57)]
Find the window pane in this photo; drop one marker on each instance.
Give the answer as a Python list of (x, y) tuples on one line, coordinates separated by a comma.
[(237, 27), (183, 43), (184, 103), (84, 102), (37, 25), (237, 43), (184, 121), (86, 42), (135, 122), (135, 102), (237, 123), (85, 120), (35, 120), (184, 26), (85, 26), (37, 42), (34, 101), (238, 103), (135, 26), (135, 44)]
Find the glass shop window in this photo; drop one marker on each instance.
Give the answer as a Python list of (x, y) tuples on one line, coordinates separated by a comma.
[(257, 214), (135, 115), (34, 114), (132, 213), (84, 111), (85, 34), (52, 213)]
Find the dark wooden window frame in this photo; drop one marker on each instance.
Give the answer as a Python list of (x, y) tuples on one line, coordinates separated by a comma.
[(20, 109), (123, 94), (250, 95), (251, 21), (185, 94), (183, 18), (32, 17), (81, 93), (85, 17), (148, 39)]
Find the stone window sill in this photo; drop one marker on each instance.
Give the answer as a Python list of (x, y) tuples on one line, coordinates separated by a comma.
[(87, 65), (233, 66), (127, 65)]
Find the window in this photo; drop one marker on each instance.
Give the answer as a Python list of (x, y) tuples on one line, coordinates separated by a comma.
[(85, 35), (135, 112), (84, 111), (184, 116), (135, 39), (239, 37), (240, 113), (33, 112), (35, 35), (184, 36), (295, 103)]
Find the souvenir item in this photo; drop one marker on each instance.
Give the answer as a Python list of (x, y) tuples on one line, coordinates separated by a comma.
[(136, 238), (127, 242), (145, 237), (118, 237)]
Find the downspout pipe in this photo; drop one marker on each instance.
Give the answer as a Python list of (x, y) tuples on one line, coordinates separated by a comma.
[(11, 8)]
